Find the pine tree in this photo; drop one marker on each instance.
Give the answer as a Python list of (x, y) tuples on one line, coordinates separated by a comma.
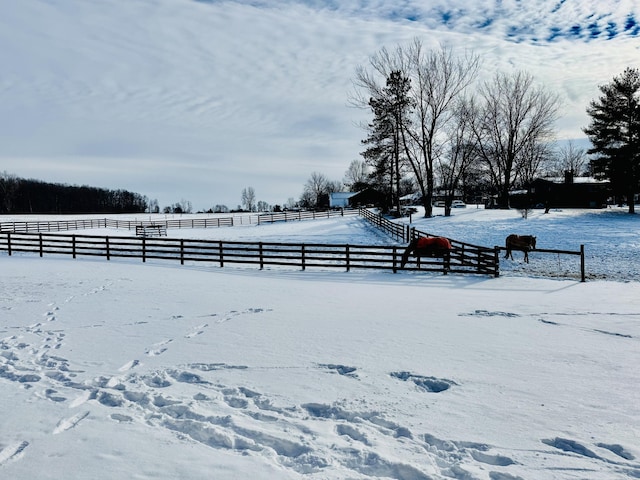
[(614, 132), (390, 109)]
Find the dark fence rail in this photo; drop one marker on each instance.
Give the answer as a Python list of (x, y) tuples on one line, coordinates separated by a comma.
[(396, 230), (202, 222), (579, 253), (464, 257), (261, 254)]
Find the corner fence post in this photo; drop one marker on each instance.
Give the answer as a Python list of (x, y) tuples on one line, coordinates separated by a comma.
[(582, 276)]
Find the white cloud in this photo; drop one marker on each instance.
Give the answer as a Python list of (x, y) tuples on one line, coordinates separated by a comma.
[(212, 96)]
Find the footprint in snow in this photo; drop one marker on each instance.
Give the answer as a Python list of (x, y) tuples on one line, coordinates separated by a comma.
[(158, 348), (129, 365), (68, 423), (428, 384), (12, 452), (339, 369), (487, 313), (199, 330)]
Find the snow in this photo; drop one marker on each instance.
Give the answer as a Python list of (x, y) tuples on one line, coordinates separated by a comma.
[(119, 369)]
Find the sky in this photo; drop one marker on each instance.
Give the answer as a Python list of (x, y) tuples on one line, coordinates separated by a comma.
[(197, 100), (128, 370)]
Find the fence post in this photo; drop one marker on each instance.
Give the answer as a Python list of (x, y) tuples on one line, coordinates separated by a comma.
[(41, 248), (144, 249), (395, 267), (496, 261), (261, 253), (9, 243), (221, 254), (582, 277), (108, 245), (303, 257), (73, 246), (181, 251), (348, 260)]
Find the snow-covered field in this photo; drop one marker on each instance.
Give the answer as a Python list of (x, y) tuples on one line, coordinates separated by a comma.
[(159, 371)]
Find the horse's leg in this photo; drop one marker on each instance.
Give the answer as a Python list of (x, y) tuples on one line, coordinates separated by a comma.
[(405, 255), (526, 256)]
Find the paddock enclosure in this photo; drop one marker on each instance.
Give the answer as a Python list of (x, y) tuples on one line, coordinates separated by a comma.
[(46, 238), (151, 243)]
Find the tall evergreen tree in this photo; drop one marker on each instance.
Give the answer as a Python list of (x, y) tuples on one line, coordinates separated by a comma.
[(391, 112), (614, 132)]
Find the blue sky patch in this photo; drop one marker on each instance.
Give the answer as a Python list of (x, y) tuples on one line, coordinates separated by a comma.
[(631, 26)]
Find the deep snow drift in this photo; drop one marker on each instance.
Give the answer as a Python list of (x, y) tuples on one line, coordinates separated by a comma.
[(127, 370)]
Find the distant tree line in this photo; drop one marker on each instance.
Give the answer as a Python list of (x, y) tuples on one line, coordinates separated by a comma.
[(28, 196)]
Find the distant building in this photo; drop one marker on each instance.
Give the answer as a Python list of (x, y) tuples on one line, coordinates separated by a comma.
[(563, 192), (364, 198), (367, 197), (340, 199)]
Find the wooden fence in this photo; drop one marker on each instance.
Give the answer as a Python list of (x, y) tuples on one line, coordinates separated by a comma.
[(202, 222), (53, 226), (464, 257), (579, 253), (40, 237), (233, 252), (398, 231)]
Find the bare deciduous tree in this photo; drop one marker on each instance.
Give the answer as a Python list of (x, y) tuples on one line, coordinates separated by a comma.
[(317, 189), (249, 199), (570, 158), (513, 119), (438, 78), (356, 176), (459, 155)]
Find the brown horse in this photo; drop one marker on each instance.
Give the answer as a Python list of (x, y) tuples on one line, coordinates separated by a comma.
[(523, 243), (427, 247)]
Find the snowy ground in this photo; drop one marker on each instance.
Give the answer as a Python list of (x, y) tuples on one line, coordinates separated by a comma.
[(159, 371)]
